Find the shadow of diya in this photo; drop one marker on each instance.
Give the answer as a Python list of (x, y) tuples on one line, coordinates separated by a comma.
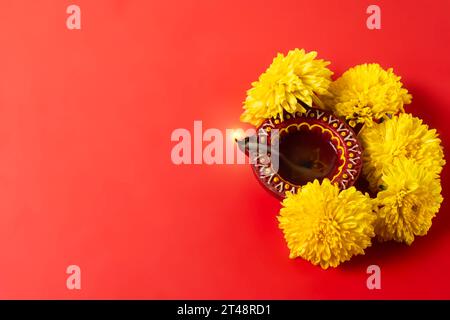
[(287, 154)]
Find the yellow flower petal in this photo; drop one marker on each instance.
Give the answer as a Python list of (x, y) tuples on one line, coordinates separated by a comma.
[(403, 136), (411, 198), (326, 226), (289, 80), (366, 92)]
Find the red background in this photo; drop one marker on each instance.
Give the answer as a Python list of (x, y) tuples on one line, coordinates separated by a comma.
[(85, 122)]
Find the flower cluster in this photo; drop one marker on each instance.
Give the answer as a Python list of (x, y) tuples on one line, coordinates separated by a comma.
[(402, 159), (326, 226), (410, 198), (366, 93), (402, 137), (290, 81)]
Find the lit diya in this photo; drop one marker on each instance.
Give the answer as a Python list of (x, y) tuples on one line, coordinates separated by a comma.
[(311, 145)]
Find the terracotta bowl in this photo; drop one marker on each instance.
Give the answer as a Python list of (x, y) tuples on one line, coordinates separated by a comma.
[(309, 146)]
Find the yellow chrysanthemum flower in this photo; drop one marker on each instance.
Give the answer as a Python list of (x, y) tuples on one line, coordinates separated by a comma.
[(367, 92), (403, 136), (326, 226), (288, 80), (411, 198)]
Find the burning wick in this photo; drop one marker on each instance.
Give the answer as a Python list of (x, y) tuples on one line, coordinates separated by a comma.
[(238, 134)]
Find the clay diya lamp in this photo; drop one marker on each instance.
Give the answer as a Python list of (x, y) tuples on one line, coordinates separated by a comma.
[(285, 155)]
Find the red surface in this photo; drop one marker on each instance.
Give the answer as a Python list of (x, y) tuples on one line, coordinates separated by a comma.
[(85, 171)]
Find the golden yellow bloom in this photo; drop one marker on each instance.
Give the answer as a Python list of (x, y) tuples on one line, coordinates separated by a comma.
[(326, 226), (367, 92), (409, 202), (288, 80), (403, 136)]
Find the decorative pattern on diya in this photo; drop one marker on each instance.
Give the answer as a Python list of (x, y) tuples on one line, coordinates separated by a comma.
[(311, 145)]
